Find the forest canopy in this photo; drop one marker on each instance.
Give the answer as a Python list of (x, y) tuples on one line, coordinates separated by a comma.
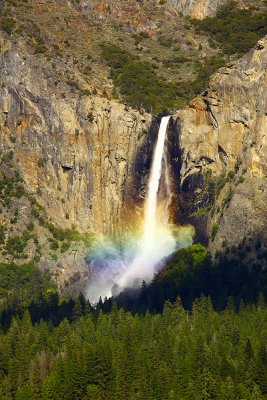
[(173, 355), (168, 341)]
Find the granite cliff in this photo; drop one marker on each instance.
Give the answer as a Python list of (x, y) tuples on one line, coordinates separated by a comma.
[(74, 153), (198, 9), (222, 138), (75, 157)]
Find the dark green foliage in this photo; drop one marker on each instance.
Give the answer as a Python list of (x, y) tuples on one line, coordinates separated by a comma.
[(205, 70), (166, 42), (214, 185), (20, 286), (139, 85), (67, 235), (228, 198), (11, 187), (214, 230), (40, 49), (13, 276), (8, 24), (2, 234), (15, 245), (54, 244), (64, 247), (191, 273), (236, 30), (231, 175), (109, 353), (118, 356), (24, 288)]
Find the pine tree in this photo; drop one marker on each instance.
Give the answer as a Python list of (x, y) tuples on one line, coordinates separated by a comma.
[(261, 369), (25, 393), (77, 311)]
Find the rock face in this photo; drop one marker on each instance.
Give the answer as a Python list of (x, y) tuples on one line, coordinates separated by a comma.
[(74, 152), (85, 158), (198, 9), (224, 132)]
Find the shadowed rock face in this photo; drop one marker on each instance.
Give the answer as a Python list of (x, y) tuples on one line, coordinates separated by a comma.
[(225, 130)]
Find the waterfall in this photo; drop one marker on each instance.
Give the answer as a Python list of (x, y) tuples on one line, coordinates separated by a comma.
[(156, 241), (150, 220)]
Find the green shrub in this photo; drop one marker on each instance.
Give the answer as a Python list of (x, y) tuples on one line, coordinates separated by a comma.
[(30, 226), (73, 84), (85, 92), (64, 247), (231, 175), (54, 257), (205, 69), (166, 42), (214, 184), (15, 245), (144, 35), (8, 24), (92, 390), (57, 233), (19, 191), (176, 60), (2, 234), (41, 162), (54, 244), (228, 198), (7, 157), (40, 49), (214, 230)]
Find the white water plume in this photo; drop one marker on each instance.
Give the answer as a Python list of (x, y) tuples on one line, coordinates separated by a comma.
[(157, 241), (140, 262)]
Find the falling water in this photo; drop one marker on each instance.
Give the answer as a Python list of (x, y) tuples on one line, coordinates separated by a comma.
[(150, 219), (157, 240)]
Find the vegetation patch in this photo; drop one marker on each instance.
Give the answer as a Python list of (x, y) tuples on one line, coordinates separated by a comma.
[(138, 83), (8, 24), (236, 30)]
